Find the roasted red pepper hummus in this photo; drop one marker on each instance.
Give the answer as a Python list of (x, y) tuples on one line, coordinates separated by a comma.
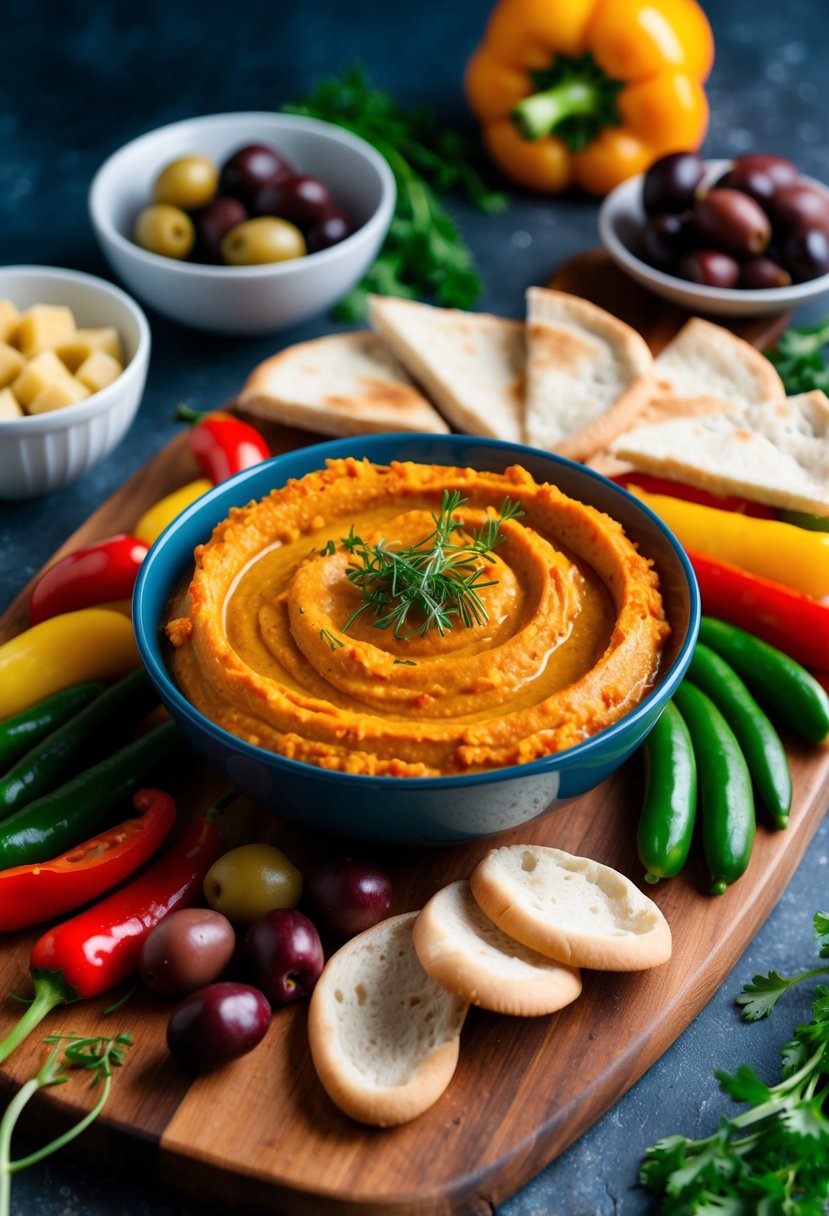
[(572, 639)]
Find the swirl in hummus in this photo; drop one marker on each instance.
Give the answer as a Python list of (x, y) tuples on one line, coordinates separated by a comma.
[(574, 630)]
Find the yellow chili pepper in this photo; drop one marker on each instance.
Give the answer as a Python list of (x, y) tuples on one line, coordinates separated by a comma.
[(153, 522), (589, 92), (90, 644), (775, 550)]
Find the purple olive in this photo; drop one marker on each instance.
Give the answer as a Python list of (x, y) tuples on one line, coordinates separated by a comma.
[(284, 954), (214, 220), (663, 238), (805, 253), (186, 950), (349, 896), (709, 267), (671, 182), (731, 221), (759, 175), (332, 229), (250, 168), (759, 273), (301, 199), (217, 1024), (799, 205)]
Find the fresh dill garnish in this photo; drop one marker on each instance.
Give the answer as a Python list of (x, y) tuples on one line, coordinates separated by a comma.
[(328, 637), (437, 580), (328, 549)]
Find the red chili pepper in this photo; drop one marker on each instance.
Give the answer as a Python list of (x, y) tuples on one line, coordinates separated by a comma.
[(793, 622), (678, 489), (222, 443), (95, 574), (97, 949), (33, 893)]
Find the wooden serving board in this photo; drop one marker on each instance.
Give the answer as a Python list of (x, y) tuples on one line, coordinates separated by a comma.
[(261, 1133)]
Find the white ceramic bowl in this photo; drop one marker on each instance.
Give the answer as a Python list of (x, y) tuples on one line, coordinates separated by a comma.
[(244, 299), (621, 217), (44, 452)]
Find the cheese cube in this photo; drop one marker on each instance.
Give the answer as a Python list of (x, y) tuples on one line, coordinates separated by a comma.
[(58, 394), (85, 341), (9, 321), (45, 368), (98, 370), (12, 363), (43, 327), (9, 405)]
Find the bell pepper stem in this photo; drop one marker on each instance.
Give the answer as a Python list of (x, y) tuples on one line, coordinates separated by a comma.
[(49, 993), (542, 112), (186, 413)]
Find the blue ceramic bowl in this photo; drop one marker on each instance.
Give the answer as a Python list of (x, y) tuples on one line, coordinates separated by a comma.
[(427, 810)]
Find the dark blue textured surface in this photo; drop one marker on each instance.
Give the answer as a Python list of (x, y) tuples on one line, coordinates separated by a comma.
[(78, 80)]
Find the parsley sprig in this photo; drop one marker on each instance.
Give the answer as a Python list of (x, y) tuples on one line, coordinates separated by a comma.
[(774, 1157), (799, 357), (424, 253), (435, 579)]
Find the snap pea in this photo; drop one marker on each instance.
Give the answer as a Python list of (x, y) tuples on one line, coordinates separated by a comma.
[(666, 822), (726, 799), (775, 679), (23, 730), (764, 752), (61, 753)]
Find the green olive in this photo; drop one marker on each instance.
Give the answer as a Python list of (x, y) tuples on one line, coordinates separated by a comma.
[(163, 229), (189, 182), (265, 239), (251, 880)]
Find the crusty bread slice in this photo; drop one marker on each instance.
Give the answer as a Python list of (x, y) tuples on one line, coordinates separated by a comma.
[(461, 948), (587, 374), (776, 453), (572, 909), (471, 364), (343, 384), (384, 1036), (708, 360)]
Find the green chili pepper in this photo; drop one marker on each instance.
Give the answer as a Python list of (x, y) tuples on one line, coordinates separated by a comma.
[(65, 750), (669, 808), (764, 752), (78, 810), (726, 798), (22, 731), (802, 519), (776, 680)]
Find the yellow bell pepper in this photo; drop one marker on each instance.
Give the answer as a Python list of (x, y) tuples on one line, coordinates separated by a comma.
[(90, 644), (767, 547), (589, 92), (156, 518)]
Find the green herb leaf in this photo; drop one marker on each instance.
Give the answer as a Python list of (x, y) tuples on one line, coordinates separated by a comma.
[(799, 357), (761, 994), (333, 643)]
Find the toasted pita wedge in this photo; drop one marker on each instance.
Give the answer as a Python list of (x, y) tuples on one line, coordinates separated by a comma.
[(776, 453), (587, 374), (708, 360), (343, 384), (471, 364)]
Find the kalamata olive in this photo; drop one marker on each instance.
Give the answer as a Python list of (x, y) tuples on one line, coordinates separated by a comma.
[(759, 175), (217, 1024), (671, 182), (250, 880), (805, 253), (261, 240), (302, 199), (663, 238), (250, 167), (349, 896), (188, 182), (710, 267), (214, 220), (761, 272), (798, 205), (333, 228), (731, 221), (284, 954), (186, 950), (165, 230)]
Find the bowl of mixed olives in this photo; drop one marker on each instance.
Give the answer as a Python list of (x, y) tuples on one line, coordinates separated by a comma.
[(242, 223), (738, 237)]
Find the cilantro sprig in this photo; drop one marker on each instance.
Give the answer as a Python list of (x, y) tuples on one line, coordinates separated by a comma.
[(773, 1157), (435, 579), (799, 357), (424, 253)]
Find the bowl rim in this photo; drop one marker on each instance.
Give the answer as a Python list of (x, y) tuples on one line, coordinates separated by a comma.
[(146, 633), (105, 398), (621, 201), (108, 232)]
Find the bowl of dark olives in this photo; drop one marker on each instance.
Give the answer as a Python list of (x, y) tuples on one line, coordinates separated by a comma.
[(738, 237), (242, 223)]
